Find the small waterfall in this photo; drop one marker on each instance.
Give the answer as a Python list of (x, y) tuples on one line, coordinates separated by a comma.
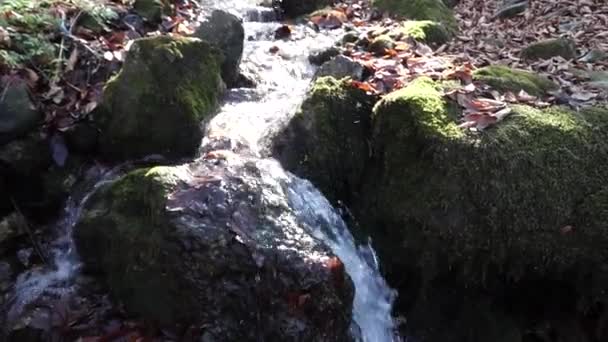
[(373, 297), (248, 116)]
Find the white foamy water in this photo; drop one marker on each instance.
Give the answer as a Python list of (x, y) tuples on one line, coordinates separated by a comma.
[(373, 297)]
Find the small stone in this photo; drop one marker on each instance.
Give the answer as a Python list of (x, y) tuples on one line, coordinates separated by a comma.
[(381, 44), (341, 67), (350, 37)]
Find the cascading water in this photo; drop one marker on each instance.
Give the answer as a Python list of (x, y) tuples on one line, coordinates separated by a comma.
[(248, 117)]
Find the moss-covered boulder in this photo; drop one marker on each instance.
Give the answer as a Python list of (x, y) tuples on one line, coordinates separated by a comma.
[(426, 31), (433, 10), (492, 217), (201, 244), (296, 8), (156, 103), (562, 47), (503, 78), (326, 141)]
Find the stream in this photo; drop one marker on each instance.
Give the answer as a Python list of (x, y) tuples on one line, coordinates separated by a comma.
[(247, 118)]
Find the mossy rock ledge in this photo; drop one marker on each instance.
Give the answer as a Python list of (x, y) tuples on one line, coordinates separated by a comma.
[(201, 244), (492, 236), (156, 103)]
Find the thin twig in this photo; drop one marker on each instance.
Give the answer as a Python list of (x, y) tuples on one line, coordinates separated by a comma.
[(28, 229)]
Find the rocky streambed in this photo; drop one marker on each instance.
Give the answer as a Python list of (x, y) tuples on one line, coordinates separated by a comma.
[(494, 234)]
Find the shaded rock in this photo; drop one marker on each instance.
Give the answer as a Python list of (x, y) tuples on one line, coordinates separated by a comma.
[(283, 32), (82, 137), (23, 164), (563, 47), (216, 244), (225, 31), (151, 10), (326, 141), (350, 37), (156, 103), (381, 44), (320, 57), (295, 8), (511, 9), (505, 79), (18, 113), (340, 67), (433, 10)]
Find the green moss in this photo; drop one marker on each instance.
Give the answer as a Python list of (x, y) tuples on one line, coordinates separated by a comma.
[(549, 48), (433, 10), (380, 44), (425, 31), (503, 78), (123, 231), (327, 140), (156, 103), (503, 194)]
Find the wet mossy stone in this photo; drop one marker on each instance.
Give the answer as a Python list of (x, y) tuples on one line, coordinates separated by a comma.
[(326, 141), (122, 233), (18, 114), (505, 193), (503, 78), (156, 103), (151, 10), (201, 244), (433, 10), (380, 44), (426, 31), (562, 47)]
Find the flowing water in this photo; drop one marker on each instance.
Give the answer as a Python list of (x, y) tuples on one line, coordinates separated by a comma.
[(247, 118)]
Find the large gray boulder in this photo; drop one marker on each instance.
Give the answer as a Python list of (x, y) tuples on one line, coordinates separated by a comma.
[(225, 31), (215, 244)]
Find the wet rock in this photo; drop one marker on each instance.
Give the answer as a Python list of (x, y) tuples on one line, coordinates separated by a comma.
[(151, 10), (340, 67), (156, 103), (246, 80), (562, 47), (505, 79), (295, 8), (320, 57), (225, 31), (350, 37), (283, 32), (216, 244), (326, 141), (18, 114)]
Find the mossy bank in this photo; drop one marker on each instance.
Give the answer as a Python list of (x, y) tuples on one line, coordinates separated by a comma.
[(481, 223)]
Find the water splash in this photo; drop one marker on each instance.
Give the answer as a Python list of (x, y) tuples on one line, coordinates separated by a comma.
[(373, 297)]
